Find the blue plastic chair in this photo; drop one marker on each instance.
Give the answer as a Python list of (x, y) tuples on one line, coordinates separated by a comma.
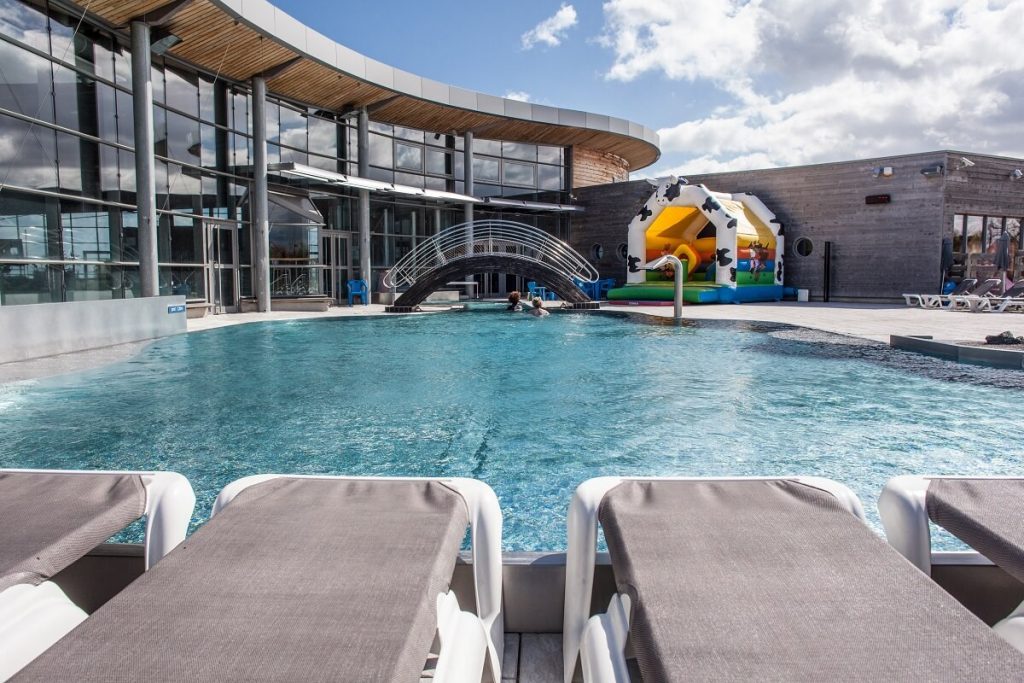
[(358, 288), (531, 286)]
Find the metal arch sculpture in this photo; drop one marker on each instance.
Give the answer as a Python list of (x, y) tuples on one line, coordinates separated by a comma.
[(490, 246)]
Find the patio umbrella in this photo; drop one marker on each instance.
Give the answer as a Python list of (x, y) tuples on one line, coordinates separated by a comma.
[(1002, 258), (947, 256)]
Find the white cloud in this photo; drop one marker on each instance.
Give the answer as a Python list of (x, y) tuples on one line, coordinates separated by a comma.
[(552, 30), (517, 95), (834, 79)]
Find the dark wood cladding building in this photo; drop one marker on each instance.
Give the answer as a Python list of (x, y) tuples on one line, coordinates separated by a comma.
[(884, 219)]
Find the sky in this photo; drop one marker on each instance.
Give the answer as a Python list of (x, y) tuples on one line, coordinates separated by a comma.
[(728, 84)]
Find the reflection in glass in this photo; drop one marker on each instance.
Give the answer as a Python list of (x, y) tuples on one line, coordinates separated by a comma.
[(486, 169), (183, 141), (23, 227), (550, 177), (24, 23), (518, 150), (409, 134), (520, 174), (438, 162), (974, 226), (323, 136), (549, 155), (24, 82), (381, 151), (492, 147), (30, 284), (409, 157), (187, 282), (28, 155), (293, 128), (409, 179), (86, 235), (181, 91)]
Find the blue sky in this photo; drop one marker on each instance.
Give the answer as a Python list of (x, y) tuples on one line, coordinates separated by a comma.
[(729, 84)]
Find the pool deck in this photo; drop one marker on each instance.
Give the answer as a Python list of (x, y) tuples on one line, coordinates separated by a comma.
[(869, 321)]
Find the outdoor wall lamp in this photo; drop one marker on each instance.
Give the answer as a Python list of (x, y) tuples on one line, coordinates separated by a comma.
[(1016, 174)]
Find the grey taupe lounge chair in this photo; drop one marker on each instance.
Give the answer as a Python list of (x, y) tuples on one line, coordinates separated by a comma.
[(49, 519), (986, 513), (937, 300), (759, 579), (1010, 300), (299, 578), (977, 299)]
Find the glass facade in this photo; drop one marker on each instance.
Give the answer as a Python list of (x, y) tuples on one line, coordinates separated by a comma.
[(977, 234), (68, 226)]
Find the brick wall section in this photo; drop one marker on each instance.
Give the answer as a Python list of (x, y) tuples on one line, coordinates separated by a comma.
[(597, 168), (878, 251), (609, 208)]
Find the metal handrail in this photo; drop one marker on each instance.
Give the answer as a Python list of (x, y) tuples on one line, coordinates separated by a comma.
[(486, 238)]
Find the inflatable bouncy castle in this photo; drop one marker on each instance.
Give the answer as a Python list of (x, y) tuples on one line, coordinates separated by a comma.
[(730, 245)]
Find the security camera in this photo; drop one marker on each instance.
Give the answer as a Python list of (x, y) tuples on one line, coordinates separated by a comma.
[(965, 162), (1017, 174)]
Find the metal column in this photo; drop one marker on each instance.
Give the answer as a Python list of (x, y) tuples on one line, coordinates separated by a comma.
[(363, 150), (260, 209), (467, 166), (145, 165)]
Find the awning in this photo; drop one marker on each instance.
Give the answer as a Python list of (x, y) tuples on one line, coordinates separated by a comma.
[(286, 208), (531, 206), (290, 168)]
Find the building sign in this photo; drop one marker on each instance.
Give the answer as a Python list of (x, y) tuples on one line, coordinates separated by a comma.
[(179, 308), (877, 199)]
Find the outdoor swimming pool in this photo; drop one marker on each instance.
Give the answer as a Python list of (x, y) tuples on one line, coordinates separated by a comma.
[(531, 406)]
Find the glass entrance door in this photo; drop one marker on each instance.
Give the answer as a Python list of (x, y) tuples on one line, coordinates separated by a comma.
[(336, 257), (222, 266)]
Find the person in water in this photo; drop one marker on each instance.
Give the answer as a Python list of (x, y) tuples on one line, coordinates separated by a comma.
[(514, 303), (668, 270), (538, 309)]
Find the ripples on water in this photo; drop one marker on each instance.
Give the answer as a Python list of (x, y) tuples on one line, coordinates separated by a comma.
[(531, 406)]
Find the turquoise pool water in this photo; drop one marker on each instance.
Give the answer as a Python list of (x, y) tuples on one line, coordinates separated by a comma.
[(531, 406)]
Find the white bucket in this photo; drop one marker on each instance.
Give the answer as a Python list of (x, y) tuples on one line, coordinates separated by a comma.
[(803, 295)]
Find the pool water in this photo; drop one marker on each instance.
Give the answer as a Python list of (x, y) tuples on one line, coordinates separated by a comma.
[(531, 406)]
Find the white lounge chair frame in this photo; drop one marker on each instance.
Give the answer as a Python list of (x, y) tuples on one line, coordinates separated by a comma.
[(34, 617), (904, 512), (466, 639), (600, 641)]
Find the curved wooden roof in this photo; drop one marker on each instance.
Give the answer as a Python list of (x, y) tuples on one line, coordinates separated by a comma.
[(244, 38)]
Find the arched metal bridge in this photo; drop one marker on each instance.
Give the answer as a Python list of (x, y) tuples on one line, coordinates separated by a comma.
[(490, 246)]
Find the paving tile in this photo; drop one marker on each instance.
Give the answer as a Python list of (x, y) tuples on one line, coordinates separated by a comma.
[(510, 660), (540, 658)]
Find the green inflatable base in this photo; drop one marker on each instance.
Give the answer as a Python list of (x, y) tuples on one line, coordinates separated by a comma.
[(692, 293), (697, 293)]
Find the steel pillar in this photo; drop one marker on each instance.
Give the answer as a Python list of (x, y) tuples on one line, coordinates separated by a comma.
[(260, 209), (145, 164)]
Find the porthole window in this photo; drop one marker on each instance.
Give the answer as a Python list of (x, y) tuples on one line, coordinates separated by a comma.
[(622, 251), (597, 252), (803, 246)]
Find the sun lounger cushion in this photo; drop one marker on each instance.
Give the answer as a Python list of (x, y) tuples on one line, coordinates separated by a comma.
[(50, 520), (773, 580), (986, 514), (295, 580)]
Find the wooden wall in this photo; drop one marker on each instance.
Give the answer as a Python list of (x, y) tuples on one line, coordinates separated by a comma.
[(591, 167), (878, 251)]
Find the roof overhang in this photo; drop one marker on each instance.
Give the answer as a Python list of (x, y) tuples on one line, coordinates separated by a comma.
[(240, 40), (294, 170)]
